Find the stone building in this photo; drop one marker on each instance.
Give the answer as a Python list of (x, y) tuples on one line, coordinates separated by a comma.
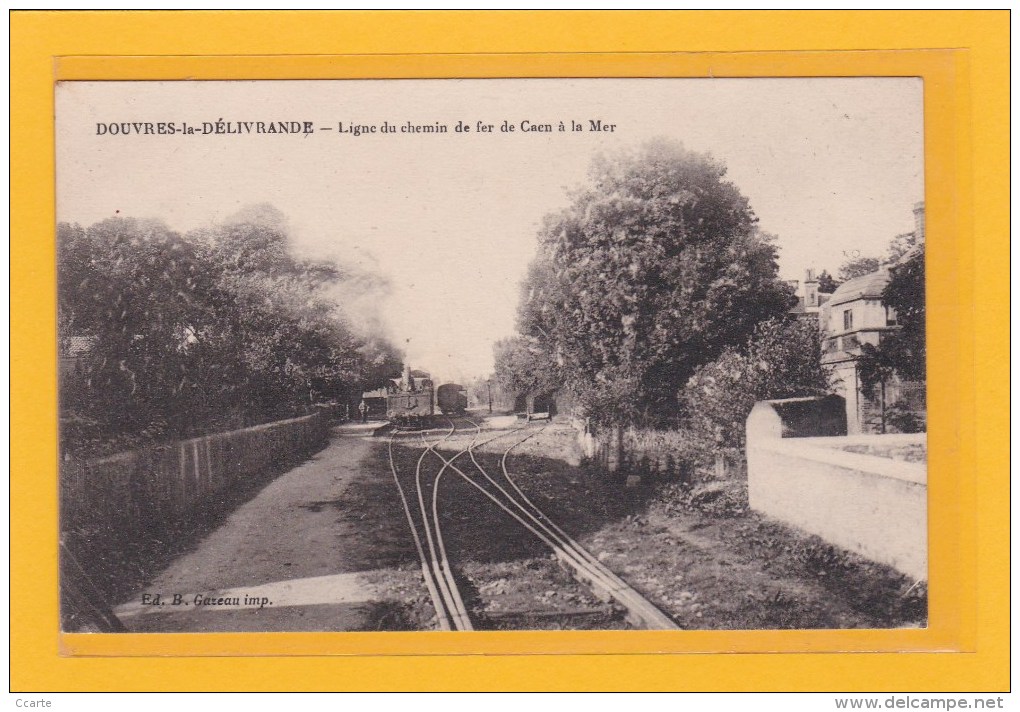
[(855, 315), (809, 300)]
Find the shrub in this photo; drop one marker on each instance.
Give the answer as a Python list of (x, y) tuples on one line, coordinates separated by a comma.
[(782, 360)]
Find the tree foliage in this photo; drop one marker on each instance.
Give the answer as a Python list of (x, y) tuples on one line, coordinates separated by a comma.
[(827, 284), (906, 294), (902, 352), (656, 267), (781, 360), (524, 367), (903, 244), (858, 267), (220, 328)]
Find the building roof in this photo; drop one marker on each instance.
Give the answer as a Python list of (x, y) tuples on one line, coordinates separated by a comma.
[(867, 286)]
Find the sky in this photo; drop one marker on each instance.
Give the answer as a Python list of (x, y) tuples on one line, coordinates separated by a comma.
[(833, 167)]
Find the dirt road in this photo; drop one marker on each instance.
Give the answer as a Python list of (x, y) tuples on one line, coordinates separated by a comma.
[(304, 554)]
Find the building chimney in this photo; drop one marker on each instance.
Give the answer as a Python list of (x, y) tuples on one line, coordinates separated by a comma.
[(919, 221), (810, 288)]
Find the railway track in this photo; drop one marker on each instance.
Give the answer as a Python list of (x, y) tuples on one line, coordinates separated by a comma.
[(503, 492), (582, 564), (427, 535)]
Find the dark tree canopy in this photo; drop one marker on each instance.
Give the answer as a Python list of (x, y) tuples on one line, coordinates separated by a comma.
[(140, 293), (904, 351), (826, 283), (655, 268)]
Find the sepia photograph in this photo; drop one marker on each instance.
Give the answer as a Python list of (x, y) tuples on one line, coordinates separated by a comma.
[(491, 355)]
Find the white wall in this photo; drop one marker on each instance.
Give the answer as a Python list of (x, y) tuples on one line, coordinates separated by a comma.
[(874, 506)]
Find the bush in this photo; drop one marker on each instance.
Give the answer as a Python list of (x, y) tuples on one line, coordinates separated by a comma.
[(903, 420), (782, 360)]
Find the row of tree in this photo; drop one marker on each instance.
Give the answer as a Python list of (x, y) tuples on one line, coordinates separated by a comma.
[(179, 334)]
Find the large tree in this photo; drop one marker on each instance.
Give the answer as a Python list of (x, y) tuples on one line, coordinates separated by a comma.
[(902, 353), (905, 294), (655, 267), (139, 292), (291, 339)]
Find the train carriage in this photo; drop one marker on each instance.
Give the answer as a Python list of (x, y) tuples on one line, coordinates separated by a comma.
[(451, 398)]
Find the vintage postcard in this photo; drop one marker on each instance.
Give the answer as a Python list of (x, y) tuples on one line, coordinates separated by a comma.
[(492, 355)]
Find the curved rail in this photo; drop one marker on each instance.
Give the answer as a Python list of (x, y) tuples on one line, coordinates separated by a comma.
[(510, 498), (440, 562), (442, 616), (637, 604), (555, 537), (584, 564)]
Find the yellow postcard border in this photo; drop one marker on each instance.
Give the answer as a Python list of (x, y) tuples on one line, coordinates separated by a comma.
[(968, 573)]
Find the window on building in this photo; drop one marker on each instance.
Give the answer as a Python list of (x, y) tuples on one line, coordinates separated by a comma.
[(848, 319), (890, 316)]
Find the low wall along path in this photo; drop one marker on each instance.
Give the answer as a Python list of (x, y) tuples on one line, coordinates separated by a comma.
[(873, 505)]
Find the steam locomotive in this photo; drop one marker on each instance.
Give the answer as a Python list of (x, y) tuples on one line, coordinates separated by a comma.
[(411, 400)]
